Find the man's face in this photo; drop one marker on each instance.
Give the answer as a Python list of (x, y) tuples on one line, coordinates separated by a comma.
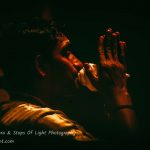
[(65, 66), (63, 56)]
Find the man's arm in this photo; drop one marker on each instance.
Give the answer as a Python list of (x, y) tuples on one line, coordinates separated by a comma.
[(111, 81), (22, 114), (121, 110)]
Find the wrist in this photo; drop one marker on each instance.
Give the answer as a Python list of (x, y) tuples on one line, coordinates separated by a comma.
[(117, 98), (121, 96)]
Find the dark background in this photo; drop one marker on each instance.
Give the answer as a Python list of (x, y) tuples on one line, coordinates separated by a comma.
[(85, 21)]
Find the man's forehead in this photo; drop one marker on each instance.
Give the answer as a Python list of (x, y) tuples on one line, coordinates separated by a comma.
[(63, 38)]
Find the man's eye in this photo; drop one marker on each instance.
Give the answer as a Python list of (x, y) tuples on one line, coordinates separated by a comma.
[(64, 52)]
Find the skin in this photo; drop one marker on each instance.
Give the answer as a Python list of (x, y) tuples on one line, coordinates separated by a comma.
[(59, 74), (112, 79), (69, 60), (57, 79)]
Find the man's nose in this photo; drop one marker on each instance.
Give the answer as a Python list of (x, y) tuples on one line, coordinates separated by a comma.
[(78, 65), (75, 61)]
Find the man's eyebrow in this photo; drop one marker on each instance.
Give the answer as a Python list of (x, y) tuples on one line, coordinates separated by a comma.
[(67, 46)]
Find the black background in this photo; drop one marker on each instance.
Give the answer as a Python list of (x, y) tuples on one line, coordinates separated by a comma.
[(85, 21)]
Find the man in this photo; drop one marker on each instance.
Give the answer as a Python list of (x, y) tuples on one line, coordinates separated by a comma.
[(40, 70)]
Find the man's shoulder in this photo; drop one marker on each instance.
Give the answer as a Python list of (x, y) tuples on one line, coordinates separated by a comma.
[(24, 114)]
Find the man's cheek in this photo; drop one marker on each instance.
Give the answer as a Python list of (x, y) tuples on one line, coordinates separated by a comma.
[(75, 61)]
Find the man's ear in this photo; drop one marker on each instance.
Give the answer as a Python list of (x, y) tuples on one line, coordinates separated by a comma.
[(39, 65)]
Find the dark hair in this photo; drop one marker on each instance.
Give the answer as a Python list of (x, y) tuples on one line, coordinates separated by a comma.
[(22, 42)]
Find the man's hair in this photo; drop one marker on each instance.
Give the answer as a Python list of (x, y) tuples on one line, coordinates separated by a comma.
[(21, 42)]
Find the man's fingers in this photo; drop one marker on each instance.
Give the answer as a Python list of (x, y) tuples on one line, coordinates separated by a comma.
[(116, 46), (122, 53), (109, 31), (122, 48), (101, 48), (74, 60), (108, 43)]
